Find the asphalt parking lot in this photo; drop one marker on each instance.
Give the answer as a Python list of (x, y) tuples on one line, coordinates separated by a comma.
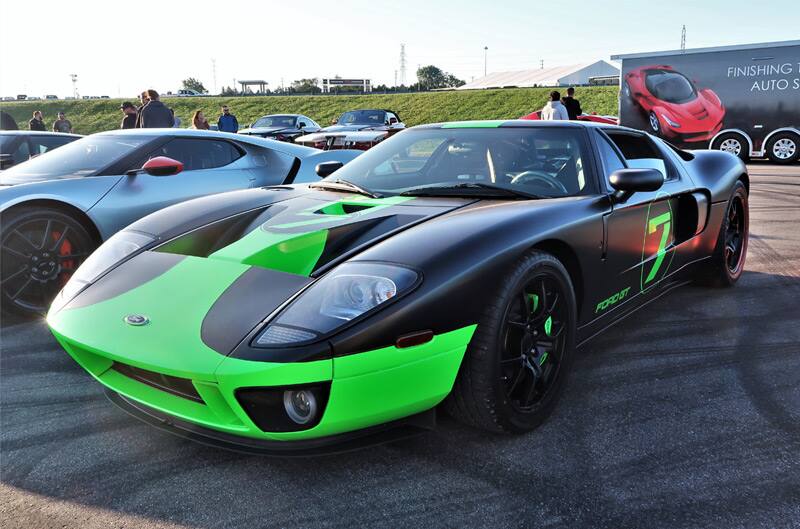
[(687, 415)]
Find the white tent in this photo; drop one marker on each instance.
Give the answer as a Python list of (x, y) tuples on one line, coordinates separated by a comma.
[(574, 74)]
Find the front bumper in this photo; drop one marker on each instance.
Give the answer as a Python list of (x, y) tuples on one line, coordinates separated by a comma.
[(367, 389)]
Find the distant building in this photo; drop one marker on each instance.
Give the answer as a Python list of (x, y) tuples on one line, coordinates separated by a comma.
[(575, 74), (332, 84)]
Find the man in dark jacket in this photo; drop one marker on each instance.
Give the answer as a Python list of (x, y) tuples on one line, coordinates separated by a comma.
[(155, 114), (572, 104), (129, 121), (227, 122), (37, 122)]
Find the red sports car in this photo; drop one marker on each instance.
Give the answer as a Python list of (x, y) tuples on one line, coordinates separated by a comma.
[(675, 108), (608, 120)]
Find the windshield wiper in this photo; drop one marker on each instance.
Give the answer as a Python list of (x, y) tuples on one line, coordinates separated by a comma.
[(344, 185), (471, 188)]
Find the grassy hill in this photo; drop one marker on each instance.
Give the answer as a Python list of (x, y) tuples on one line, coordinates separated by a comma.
[(96, 115)]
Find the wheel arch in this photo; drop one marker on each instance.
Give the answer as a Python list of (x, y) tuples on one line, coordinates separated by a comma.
[(64, 207), (567, 256)]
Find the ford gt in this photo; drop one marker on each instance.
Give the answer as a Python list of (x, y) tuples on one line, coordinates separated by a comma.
[(455, 266)]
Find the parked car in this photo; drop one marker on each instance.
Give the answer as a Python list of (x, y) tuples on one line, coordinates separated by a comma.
[(608, 120), (456, 263), (17, 146), (51, 96), (79, 195), (9, 98), (676, 109), (282, 127), (355, 129), (187, 92)]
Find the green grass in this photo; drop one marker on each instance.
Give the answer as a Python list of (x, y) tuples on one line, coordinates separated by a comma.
[(88, 116)]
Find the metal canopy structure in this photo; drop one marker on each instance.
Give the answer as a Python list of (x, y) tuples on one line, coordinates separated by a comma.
[(574, 74), (261, 84)]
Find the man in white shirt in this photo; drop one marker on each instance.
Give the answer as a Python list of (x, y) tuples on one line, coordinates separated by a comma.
[(554, 109)]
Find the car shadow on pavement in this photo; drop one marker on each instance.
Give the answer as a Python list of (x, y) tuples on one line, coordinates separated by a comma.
[(686, 414)]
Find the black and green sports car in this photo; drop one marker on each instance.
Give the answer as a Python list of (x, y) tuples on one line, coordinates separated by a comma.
[(458, 264)]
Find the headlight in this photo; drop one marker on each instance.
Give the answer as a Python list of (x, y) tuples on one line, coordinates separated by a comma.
[(110, 253), (346, 294), (671, 123)]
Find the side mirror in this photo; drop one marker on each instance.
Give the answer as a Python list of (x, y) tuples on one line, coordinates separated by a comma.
[(334, 121), (301, 125), (327, 168), (627, 181), (159, 166), (392, 121)]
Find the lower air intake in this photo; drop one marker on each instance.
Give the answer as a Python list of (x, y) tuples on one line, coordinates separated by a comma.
[(180, 387)]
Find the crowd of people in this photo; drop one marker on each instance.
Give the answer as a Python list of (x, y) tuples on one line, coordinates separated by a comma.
[(151, 113)]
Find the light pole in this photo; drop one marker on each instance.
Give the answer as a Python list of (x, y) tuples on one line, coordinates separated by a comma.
[(485, 58), (74, 78)]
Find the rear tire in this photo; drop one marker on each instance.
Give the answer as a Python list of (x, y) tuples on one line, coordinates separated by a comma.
[(783, 148), (517, 363), (727, 263), (41, 248), (733, 143)]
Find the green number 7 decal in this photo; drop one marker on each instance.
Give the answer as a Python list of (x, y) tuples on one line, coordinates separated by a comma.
[(658, 226)]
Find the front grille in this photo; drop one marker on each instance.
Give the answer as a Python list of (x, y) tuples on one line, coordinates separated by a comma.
[(180, 387)]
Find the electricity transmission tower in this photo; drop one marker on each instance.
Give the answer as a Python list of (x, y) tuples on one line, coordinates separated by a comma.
[(402, 64), (683, 38), (74, 78)]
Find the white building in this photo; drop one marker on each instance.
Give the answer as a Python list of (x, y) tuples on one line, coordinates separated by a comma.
[(574, 74)]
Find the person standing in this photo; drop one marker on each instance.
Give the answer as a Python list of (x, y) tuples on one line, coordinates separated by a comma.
[(62, 124), (572, 105), (37, 121), (142, 102), (199, 121), (176, 121), (227, 122), (129, 111), (155, 114), (554, 110)]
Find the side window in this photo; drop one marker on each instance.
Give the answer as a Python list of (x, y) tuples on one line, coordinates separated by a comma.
[(199, 153), (641, 153), (40, 145), (609, 156), (21, 153)]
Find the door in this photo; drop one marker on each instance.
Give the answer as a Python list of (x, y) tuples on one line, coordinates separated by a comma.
[(641, 228), (210, 166)]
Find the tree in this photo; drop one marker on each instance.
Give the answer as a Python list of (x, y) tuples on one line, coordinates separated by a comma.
[(430, 77), (306, 86), (193, 84)]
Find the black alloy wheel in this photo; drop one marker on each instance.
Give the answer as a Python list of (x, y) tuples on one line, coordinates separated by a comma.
[(40, 249), (532, 343)]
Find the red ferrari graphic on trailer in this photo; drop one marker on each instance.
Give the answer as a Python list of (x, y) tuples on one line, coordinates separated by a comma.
[(675, 107)]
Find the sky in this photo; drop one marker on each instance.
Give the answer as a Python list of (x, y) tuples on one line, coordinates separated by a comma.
[(118, 51)]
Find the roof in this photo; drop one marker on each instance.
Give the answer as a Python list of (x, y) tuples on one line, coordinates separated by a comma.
[(714, 49), (23, 132), (281, 146), (551, 76)]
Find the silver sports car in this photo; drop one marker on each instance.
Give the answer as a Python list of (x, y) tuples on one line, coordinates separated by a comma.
[(57, 208)]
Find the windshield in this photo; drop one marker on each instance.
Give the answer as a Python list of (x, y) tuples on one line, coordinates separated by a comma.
[(671, 87), (83, 157), (547, 161), (275, 121), (363, 117)]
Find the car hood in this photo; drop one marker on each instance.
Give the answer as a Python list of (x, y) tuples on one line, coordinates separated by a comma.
[(265, 130), (206, 290), (346, 128)]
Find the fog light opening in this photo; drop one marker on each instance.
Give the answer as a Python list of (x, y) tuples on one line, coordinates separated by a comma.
[(301, 405)]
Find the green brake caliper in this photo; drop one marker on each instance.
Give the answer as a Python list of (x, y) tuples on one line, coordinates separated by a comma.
[(548, 324)]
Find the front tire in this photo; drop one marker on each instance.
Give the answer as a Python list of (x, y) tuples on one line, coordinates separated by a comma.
[(655, 125), (727, 262), (783, 148), (517, 363), (41, 249)]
